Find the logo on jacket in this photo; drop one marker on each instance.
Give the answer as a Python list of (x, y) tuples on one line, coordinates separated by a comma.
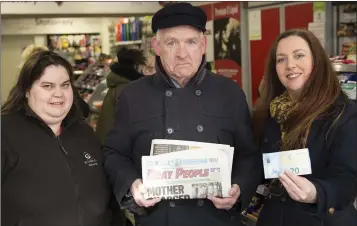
[(89, 160)]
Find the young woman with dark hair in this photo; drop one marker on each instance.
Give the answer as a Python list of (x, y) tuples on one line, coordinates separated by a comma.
[(302, 106), (51, 162)]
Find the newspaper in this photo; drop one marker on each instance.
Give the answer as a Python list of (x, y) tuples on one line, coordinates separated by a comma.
[(162, 146), (187, 170)]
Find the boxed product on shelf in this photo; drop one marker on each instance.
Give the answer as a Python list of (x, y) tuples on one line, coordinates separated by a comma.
[(347, 29), (344, 60), (349, 48), (130, 29)]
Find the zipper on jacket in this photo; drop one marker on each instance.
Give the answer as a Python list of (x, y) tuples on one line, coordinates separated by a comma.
[(80, 210)]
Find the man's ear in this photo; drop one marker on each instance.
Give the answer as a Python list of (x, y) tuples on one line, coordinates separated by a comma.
[(155, 45), (204, 44)]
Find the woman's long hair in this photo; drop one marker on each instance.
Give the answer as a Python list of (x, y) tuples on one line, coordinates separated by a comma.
[(318, 95), (30, 72)]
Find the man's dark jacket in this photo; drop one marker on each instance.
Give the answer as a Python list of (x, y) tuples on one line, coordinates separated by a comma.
[(209, 109)]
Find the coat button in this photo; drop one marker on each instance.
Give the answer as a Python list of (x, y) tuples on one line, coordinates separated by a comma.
[(200, 202), (170, 130), (172, 204), (265, 140), (168, 93), (331, 210), (283, 199), (198, 92), (199, 128)]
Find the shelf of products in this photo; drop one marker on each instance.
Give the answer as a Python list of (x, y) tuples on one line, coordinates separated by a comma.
[(128, 43), (80, 50), (129, 31), (92, 87), (346, 68), (346, 29), (90, 79)]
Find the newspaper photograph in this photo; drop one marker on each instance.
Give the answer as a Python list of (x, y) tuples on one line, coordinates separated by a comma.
[(187, 174), (163, 146)]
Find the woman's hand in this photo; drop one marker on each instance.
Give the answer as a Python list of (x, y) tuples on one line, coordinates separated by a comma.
[(299, 188)]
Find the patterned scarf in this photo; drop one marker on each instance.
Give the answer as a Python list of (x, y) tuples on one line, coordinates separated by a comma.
[(280, 109)]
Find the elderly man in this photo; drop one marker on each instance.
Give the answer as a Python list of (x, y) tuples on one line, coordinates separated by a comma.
[(182, 101)]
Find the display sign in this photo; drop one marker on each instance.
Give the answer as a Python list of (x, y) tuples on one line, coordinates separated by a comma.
[(255, 24), (227, 40), (38, 26)]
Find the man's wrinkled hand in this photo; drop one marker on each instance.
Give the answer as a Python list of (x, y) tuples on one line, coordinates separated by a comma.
[(227, 203), (138, 190)]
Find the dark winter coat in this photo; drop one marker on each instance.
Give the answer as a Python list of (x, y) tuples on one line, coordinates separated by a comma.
[(209, 109), (117, 79), (334, 173), (49, 180)]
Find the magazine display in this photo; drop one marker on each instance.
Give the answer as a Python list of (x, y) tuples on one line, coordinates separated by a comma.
[(187, 170)]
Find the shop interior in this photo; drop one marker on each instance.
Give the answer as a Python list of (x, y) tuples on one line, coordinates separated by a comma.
[(239, 36)]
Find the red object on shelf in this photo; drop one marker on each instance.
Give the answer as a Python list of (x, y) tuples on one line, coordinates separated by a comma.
[(259, 49), (349, 62), (119, 31)]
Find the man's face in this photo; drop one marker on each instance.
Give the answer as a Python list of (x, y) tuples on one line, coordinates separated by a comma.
[(180, 49)]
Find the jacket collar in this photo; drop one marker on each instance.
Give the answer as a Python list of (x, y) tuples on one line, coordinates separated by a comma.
[(74, 115), (161, 78)]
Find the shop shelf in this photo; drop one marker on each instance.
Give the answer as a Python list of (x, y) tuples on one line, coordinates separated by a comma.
[(128, 43), (345, 67)]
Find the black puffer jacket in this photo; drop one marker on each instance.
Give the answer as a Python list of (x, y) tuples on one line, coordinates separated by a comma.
[(48, 180)]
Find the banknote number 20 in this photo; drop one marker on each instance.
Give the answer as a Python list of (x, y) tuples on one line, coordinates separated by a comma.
[(295, 170)]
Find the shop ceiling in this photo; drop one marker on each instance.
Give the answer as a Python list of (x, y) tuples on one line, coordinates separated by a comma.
[(80, 9)]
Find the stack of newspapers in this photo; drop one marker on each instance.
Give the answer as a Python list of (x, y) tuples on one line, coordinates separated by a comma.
[(179, 169)]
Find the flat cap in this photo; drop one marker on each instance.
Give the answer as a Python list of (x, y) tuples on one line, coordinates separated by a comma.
[(179, 14)]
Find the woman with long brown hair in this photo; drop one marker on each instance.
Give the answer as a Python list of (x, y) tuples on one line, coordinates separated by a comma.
[(303, 106)]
